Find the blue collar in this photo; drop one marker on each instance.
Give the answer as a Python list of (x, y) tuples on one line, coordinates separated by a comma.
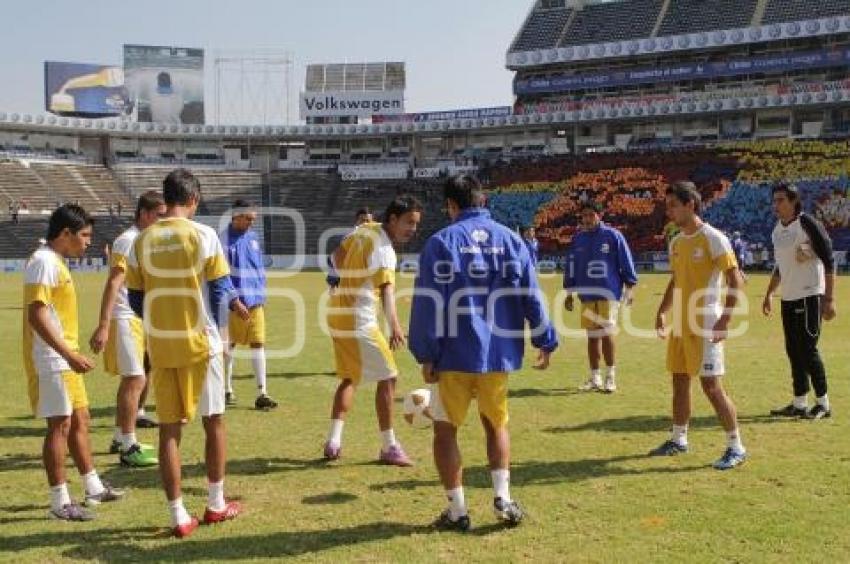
[(474, 213)]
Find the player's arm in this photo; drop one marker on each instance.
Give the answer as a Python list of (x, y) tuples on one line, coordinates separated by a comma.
[(663, 308), (734, 283), (107, 303), (822, 247), (222, 292), (543, 335), (628, 272), (397, 338), (38, 315), (569, 277), (428, 307), (775, 280)]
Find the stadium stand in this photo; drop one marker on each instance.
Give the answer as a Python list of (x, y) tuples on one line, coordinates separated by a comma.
[(598, 23), (778, 11), (691, 16), (542, 29)]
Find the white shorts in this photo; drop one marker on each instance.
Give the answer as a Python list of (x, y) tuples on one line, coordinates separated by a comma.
[(56, 393), (125, 350)]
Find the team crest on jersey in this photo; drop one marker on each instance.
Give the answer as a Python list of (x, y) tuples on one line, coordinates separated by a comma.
[(479, 236), (606, 248), (699, 254)]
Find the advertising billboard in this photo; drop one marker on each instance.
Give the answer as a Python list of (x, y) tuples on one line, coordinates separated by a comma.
[(166, 83), (85, 90), (352, 103)]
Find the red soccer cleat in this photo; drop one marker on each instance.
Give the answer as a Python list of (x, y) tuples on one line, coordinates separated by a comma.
[(231, 511), (186, 529)]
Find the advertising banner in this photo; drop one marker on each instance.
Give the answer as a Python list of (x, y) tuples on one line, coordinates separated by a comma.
[(360, 104), (473, 113), (167, 83), (85, 90)]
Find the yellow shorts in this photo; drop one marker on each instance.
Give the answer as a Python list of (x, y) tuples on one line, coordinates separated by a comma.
[(456, 390), (365, 356), (599, 314), (181, 392), (125, 351), (56, 393), (695, 356), (248, 332)]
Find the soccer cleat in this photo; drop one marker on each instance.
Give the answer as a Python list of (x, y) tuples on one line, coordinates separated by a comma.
[(445, 522), (788, 411), (610, 385), (145, 422), (730, 459), (108, 494), (669, 448), (115, 447), (509, 512), (137, 457), (264, 403), (186, 529), (229, 398), (231, 510), (394, 456), (592, 385), (818, 412), (332, 452), (72, 512)]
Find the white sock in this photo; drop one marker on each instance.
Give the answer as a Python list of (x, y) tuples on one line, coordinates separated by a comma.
[(228, 373), (127, 441), (215, 497), (596, 375), (612, 371), (335, 436), (179, 515), (680, 435), (800, 402), (501, 483), (59, 496), (141, 412), (388, 437), (824, 402), (258, 360), (733, 441), (116, 436), (92, 483), (457, 503)]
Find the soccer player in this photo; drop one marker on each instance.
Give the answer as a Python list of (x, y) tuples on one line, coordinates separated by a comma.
[(120, 336), (805, 268), (54, 365), (178, 282), (366, 262), (363, 215), (248, 274), (700, 257), (531, 242), (475, 289), (598, 265)]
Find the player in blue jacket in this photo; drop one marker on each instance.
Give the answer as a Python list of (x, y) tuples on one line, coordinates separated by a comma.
[(247, 271), (598, 266), (475, 289)]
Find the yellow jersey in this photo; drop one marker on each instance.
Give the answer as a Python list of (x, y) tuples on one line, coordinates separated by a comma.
[(369, 262), (172, 262), (118, 259), (47, 280), (698, 262)]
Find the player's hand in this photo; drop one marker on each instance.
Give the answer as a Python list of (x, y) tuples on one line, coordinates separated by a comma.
[(397, 338), (628, 298), (660, 326), (543, 358), (79, 363), (767, 306), (99, 339), (243, 312), (569, 303), (827, 309), (720, 330), (429, 375)]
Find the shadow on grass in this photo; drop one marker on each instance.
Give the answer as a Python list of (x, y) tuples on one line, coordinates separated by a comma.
[(77, 539), (654, 423), (334, 498), (285, 375), (20, 461), (540, 393), (22, 432)]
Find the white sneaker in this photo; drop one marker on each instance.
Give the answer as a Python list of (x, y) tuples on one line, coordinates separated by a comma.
[(592, 385), (610, 385)]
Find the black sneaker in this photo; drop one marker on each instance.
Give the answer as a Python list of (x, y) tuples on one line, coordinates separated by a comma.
[(445, 522), (818, 412), (145, 422), (509, 512), (229, 398), (115, 447), (788, 411), (669, 448), (265, 403)]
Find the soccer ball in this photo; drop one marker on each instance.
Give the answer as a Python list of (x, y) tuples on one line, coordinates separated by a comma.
[(417, 408)]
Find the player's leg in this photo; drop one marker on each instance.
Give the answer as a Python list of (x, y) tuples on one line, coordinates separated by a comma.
[(451, 398), (229, 394), (735, 453), (143, 420), (391, 450), (608, 352), (812, 359), (594, 355), (792, 327), (132, 452), (53, 455), (342, 403), (681, 409), (256, 336)]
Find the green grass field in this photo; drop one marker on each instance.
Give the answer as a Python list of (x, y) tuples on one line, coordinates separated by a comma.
[(579, 462)]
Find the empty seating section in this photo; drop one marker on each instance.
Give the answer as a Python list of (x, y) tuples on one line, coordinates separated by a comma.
[(690, 16), (795, 10), (542, 30), (600, 23), (21, 239)]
